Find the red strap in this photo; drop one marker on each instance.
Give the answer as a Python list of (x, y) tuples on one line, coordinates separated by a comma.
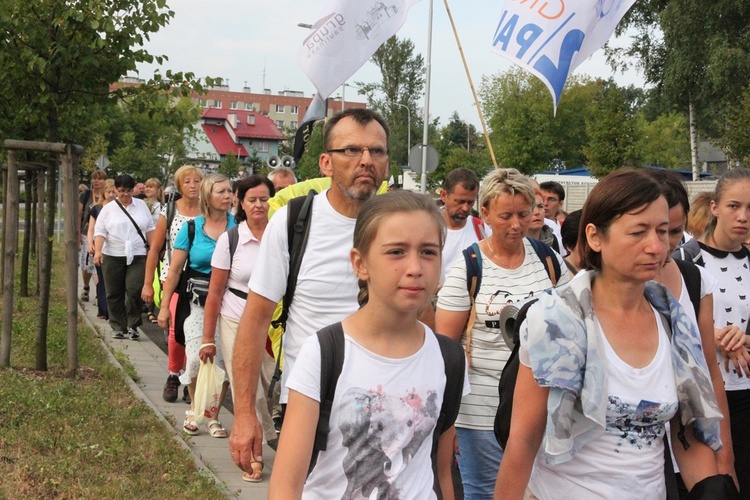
[(478, 227)]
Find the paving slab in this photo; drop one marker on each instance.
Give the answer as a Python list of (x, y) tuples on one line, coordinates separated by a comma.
[(210, 454)]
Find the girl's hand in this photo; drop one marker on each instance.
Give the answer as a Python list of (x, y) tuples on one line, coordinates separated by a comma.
[(164, 317), (729, 338), (740, 358), (208, 351)]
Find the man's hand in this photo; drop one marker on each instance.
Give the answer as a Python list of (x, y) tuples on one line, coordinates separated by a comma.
[(246, 440)]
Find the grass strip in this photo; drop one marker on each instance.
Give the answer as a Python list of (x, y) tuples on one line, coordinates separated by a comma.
[(88, 437)]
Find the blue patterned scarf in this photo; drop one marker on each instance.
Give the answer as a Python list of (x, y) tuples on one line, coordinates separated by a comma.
[(567, 355)]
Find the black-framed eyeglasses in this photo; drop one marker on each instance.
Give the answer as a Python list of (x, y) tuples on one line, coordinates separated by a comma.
[(357, 152)]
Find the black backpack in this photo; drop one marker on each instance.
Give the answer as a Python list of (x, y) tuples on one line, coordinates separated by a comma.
[(298, 230), (331, 339)]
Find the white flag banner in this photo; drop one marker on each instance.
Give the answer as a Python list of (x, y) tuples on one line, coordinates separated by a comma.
[(346, 37), (552, 38)]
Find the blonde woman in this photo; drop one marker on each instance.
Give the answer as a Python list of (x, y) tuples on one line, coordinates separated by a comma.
[(511, 271), (187, 181), (110, 193), (215, 202)]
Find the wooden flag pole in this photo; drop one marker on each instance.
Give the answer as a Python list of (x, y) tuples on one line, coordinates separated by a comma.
[(471, 84)]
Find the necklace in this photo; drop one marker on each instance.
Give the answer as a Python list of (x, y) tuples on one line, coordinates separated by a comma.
[(513, 265)]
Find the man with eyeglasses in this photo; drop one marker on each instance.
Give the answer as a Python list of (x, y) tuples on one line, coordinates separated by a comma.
[(356, 160), (553, 194)]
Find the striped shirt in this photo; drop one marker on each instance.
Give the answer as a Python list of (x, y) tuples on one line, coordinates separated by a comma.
[(488, 350)]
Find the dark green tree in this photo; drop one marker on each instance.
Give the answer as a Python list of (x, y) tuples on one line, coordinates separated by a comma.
[(612, 132), (60, 57), (693, 52), (308, 165), (230, 166), (525, 132), (397, 94)]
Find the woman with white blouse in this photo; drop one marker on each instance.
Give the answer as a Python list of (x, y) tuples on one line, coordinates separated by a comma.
[(227, 293), (121, 239)]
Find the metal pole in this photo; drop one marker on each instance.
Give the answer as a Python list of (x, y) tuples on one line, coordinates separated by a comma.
[(426, 125), (343, 95)]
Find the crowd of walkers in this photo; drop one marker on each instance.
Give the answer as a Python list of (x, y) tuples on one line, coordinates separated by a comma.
[(633, 371)]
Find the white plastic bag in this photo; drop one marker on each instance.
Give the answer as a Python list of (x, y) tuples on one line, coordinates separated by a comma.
[(207, 391)]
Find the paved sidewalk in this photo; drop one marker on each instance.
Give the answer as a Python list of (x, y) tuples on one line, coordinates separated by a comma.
[(210, 453)]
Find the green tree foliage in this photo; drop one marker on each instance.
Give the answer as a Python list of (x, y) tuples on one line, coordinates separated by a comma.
[(308, 165), (459, 146), (525, 133), (397, 95), (230, 166), (663, 141), (97, 147), (737, 132), (612, 132), (59, 56), (149, 134), (693, 52)]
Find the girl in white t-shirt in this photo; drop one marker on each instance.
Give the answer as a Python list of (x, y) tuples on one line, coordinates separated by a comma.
[(724, 255), (671, 275), (389, 394)]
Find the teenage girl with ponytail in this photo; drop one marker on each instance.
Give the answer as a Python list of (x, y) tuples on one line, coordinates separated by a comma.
[(722, 253), (389, 393)]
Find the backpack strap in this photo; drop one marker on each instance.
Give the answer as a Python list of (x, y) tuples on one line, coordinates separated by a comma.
[(233, 234), (690, 251), (455, 368), (473, 258), (549, 259), (478, 228), (298, 230), (331, 340), (692, 276)]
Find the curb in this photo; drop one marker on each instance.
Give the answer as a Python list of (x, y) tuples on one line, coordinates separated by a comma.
[(142, 396)]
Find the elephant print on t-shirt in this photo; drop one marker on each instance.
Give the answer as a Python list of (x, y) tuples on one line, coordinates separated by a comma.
[(382, 433)]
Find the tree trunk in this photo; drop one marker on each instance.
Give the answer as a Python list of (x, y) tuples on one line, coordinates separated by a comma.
[(693, 139), (46, 248), (72, 226)]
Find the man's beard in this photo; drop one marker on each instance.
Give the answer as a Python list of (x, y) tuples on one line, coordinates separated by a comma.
[(459, 217)]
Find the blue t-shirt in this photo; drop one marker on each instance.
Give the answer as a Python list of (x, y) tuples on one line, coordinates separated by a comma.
[(203, 245)]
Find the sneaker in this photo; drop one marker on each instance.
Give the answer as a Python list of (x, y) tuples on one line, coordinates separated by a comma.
[(133, 333), (118, 335), (171, 388), (85, 294)]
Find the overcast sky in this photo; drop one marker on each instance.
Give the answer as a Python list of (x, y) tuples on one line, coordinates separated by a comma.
[(255, 43)]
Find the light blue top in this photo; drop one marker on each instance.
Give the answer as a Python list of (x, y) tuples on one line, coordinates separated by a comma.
[(566, 355), (203, 245)]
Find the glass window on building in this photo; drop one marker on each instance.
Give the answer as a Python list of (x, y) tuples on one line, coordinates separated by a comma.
[(279, 108)]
